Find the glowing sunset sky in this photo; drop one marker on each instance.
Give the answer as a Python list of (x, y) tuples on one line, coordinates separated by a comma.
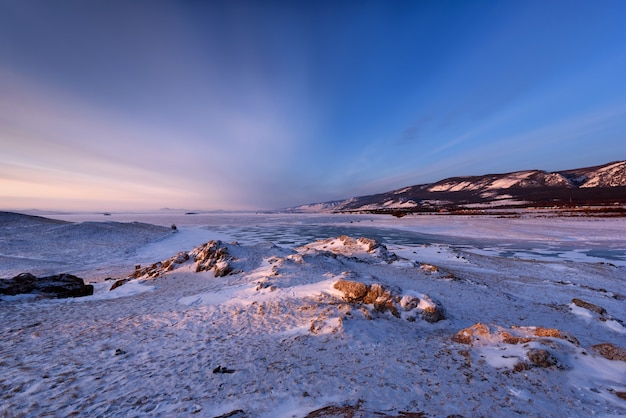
[(111, 105)]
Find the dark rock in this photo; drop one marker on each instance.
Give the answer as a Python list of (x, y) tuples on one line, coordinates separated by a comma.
[(238, 413), (541, 358), (521, 366), (434, 314), (354, 411), (59, 286), (22, 283), (220, 369)]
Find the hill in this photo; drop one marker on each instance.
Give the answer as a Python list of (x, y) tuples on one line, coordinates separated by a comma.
[(599, 185)]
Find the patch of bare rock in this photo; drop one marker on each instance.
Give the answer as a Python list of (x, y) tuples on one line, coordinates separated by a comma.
[(601, 314), (610, 351), (589, 306)]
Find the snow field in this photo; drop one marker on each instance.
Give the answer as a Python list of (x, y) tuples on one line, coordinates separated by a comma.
[(290, 344)]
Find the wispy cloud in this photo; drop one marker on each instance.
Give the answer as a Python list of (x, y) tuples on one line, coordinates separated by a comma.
[(56, 145)]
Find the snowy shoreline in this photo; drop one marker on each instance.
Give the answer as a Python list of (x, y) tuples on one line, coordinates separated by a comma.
[(275, 338)]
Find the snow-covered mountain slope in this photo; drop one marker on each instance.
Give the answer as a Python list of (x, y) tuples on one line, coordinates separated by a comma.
[(600, 184), (532, 178), (610, 175)]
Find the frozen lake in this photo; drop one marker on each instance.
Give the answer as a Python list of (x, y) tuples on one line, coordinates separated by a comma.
[(531, 238)]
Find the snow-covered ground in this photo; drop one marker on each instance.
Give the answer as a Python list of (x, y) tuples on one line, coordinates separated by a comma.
[(276, 338)]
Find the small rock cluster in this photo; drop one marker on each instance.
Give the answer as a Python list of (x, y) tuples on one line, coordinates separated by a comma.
[(383, 300), (537, 355), (481, 333), (160, 268), (212, 255)]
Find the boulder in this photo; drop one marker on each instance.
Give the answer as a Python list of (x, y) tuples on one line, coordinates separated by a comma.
[(59, 286), (352, 291), (238, 413)]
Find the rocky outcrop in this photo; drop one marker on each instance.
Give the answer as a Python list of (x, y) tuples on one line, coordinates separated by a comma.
[(213, 256), (57, 286), (383, 300)]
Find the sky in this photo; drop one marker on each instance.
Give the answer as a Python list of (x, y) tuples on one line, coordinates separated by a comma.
[(250, 105)]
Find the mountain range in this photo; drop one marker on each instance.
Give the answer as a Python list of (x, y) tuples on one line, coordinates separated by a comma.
[(598, 185)]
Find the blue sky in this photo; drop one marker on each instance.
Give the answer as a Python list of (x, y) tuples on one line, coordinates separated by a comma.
[(112, 105)]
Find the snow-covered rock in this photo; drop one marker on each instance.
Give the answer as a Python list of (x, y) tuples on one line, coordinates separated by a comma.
[(365, 249)]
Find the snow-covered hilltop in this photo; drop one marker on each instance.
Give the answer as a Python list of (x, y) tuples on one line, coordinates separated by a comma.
[(604, 184)]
